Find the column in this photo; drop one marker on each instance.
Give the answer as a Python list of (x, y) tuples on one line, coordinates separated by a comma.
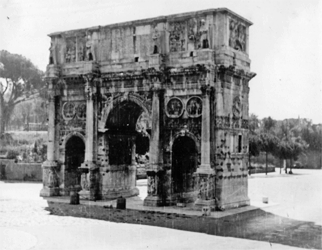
[(205, 174), (49, 167), (89, 168), (132, 169), (155, 167), (155, 147), (205, 133)]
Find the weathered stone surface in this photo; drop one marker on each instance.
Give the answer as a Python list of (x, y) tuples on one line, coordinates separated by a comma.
[(179, 81)]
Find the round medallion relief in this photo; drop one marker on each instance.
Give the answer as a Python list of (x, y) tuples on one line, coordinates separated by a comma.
[(68, 110), (174, 107), (81, 111), (194, 106)]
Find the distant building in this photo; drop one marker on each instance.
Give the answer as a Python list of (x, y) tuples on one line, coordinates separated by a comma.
[(185, 77)]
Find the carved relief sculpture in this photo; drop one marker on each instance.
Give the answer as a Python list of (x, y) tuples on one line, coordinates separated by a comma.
[(81, 111), (174, 107), (175, 116), (237, 35), (176, 38), (81, 49), (68, 111), (198, 33), (52, 178), (236, 107), (84, 182), (70, 55), (194, 107), (192, 29), (151, 185)]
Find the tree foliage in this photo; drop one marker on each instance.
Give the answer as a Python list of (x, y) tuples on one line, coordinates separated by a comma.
[(20, 78), (254, 145)]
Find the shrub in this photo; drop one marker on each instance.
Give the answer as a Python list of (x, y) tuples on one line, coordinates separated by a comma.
[(12, 154)]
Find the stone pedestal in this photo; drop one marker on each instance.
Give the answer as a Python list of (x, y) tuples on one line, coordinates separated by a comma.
[(89, 181), (50, 179), (153, 201), (206, 187), (156, 196), (117, 181)]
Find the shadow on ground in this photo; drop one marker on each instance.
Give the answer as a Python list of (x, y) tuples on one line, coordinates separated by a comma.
[(259, 225)]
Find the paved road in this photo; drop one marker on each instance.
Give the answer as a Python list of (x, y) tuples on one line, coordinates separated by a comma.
[(298, 196), (24, 224)]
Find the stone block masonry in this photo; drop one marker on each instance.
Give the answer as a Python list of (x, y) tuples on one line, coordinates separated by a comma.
[(173, 88)]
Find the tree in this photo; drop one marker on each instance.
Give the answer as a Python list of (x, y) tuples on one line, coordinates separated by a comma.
[(268, 144), (268, 124), (268, 138), (290, 149), (254, 123), (19, 80), (254, 140)]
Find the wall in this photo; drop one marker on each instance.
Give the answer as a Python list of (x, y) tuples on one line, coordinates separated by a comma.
[(9, 170)]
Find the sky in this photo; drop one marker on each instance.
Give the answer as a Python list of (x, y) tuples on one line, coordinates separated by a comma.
[(285, 41)]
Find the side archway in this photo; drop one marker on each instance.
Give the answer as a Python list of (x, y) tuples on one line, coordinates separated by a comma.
[(74, 157), (184, 165)]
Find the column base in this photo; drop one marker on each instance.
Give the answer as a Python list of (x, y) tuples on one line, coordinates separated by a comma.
[(202, 203), (49, 164), (124, 193), (205, 169), (89, 165), (48, 192), (84, 194), (236, 204), (154, 201)]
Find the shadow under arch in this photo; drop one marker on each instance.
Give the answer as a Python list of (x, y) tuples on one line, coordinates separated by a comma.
[(74, 157), (117, 102), (184, 164)]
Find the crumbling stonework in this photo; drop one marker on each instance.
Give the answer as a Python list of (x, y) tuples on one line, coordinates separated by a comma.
[(178, 83)]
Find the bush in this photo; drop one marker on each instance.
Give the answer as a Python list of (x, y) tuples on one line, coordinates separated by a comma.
[(6, 139), (12, 154)]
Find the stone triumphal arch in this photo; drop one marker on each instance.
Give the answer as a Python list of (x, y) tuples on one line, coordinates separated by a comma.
[(173, 89)]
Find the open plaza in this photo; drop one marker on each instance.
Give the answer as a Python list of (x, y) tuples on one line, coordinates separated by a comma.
[(289, 220)]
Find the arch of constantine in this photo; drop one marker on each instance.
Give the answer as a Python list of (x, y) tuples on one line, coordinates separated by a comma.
[(173, 89)]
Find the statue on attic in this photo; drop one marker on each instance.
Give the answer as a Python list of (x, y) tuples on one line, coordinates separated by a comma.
[(90, 53)]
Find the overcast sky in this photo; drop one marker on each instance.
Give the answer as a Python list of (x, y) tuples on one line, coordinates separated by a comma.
[(285, 41)]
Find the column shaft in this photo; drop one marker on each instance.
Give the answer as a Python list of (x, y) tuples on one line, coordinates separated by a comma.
[(155, 144), (51, 129)]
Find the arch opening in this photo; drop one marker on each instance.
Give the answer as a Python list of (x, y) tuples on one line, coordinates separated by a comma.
[(128, 138), (184, 164), (74, 157)]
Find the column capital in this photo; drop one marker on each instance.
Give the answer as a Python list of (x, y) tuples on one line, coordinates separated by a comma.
[(206, 89), (90, 86), (49, 164), (89, 166), (156, 89)]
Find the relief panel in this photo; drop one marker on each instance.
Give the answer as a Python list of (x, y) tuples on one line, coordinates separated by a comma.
[(237, 35)]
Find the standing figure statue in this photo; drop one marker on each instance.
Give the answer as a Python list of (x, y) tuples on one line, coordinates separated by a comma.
[(90, 55), (52, 54)]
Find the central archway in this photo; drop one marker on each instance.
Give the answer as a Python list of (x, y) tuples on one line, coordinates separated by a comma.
[(122, 138), (184, 165)]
